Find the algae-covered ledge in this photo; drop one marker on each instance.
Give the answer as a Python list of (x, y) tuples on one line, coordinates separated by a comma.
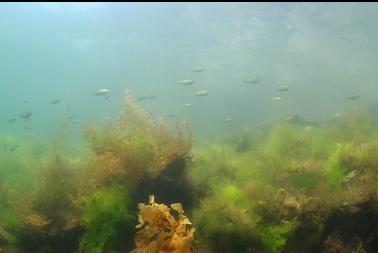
[(285, 187)]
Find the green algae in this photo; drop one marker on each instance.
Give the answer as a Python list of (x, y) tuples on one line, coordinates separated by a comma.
[(106, 211), (275, 237)]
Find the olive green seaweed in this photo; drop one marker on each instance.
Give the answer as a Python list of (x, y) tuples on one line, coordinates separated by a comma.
[(105, 212)]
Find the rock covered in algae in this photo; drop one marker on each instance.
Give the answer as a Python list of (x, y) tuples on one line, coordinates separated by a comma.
[(160, 231)]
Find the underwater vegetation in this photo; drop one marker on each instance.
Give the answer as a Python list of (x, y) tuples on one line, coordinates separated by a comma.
[(160, 231), (280, 188), (106, 212), (226, 224), (275, 237), (73, 200), (286, 186), (50, 212), (135, 146)]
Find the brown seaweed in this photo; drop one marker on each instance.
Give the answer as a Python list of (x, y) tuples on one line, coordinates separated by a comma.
[(160, 231), (134, 146)]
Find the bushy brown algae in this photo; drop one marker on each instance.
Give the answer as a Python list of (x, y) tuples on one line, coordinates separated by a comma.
[(53, 207), (135, 146)]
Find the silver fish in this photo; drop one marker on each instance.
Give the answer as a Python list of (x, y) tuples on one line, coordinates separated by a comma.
[(146, 97), (227, 120), (13, 148), (353, 97), (198, 69), (101, 92), (201, 93), (141, 98), (171, 115), (25, 115), (277, 98), (308, 128), (188, 105), (55, 101), (185, 82), (254, 81), (350, 176), (283, 88)]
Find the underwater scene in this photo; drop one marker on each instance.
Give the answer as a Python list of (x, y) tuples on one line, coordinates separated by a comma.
[(189, 127)]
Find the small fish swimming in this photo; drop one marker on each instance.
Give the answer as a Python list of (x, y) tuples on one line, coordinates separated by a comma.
[(75, 121), (308, 128), (295, 119), (146, 97), (338, 115), (227, 120), (282, 88), (171, 115), (101, 92), (345, 204), (353, 97), (185, 82), (25, 115), (201, 93), (254, 81), (198, 69), (141, 98), (12, 120), (56, 101), (13, 148), (152, 97), (277, 98), (188, 105), (350, 176), (292, 117), (107, 118)]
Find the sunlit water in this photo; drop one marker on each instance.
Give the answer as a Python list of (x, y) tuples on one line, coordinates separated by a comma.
[(323, 52)]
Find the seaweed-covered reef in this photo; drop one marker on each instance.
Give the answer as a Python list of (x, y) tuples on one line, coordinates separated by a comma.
[(291, 187), (90, 205)]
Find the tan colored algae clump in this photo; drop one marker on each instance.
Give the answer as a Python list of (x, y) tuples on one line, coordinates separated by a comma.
[(160, 231)]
